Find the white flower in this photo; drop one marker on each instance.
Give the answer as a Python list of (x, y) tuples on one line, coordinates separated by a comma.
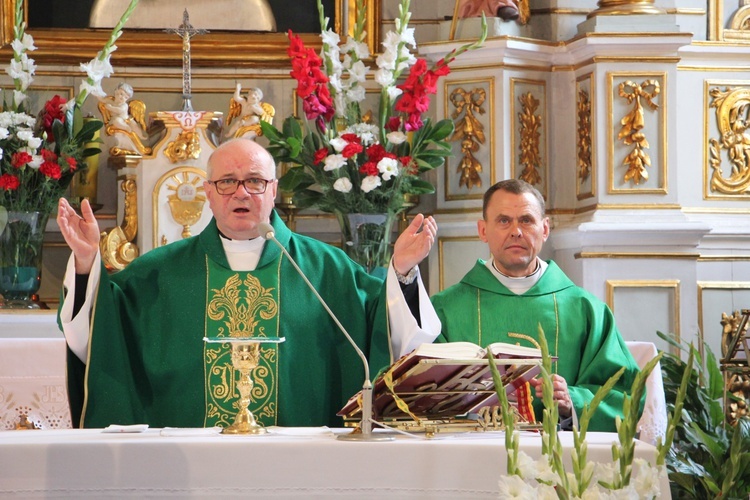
[(18, 97), (26, 43), (627, 493), (4, 133), (396, 137), (342, 185), (36, 162), (546, 492), (606, 472), (594, 492), (356, 94), (330, 38), (646, 479), (1, 153), (359, 49), (358, 72), (369, 183), (388, 167), (95, 89), (335, 82), (394, 92), (97, 70), (407, 37), (515, 487), (25, 135), (387, 60), (391, 42), (338, 144), (34, 143), (334, 162), (383, 77)]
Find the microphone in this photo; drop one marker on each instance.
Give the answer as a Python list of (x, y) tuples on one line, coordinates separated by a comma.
[(365, 426)]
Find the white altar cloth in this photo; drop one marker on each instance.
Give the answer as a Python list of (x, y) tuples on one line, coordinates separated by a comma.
[(285, 464)]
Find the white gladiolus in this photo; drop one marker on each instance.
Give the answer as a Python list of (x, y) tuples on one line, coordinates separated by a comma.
[(98, 70), (18, 97), (95, 89), (26, 43), (358, 72), (383, 77), (356, 94), (36, 162), (515, 487), (369, 183), (334, 162), (342, 185)]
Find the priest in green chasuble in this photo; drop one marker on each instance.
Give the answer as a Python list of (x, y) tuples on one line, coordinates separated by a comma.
[(508, 297), (136, 351)]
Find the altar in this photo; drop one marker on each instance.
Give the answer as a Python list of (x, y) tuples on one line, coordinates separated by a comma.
[(286, 463)]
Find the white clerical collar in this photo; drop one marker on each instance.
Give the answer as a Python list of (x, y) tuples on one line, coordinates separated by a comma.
[(522, 284), (242, 255)]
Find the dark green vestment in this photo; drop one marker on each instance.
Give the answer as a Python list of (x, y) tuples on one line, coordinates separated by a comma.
[(579, 328), (148, 362)]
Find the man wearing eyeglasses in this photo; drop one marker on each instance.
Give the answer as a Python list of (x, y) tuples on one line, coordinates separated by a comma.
[(145, 360)]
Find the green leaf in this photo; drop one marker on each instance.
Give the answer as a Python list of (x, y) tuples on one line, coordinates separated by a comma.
[(291, 129), (295, 146), (90, 152), (307, 198), (419, 186), (270, 132), (441, 130), (87, 131), (293, 178)]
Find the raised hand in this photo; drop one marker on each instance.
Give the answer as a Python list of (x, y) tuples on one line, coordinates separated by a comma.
[(80, 233), (559, 393), (413, 245)]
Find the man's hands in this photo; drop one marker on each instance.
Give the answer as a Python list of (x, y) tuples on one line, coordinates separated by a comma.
[(413, 245), (560, 393), (80, 233)]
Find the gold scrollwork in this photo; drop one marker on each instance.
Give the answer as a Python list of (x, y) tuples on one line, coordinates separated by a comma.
[(584, 136), (470, 131), (241, 312), (530, 136), (187, 146), (735, 350), (117, 245), (633, 124), (732, 120)]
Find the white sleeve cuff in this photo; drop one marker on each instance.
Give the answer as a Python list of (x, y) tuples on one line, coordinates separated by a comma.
[(76, 329)]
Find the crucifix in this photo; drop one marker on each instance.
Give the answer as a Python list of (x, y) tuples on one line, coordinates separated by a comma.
[(186, 32)]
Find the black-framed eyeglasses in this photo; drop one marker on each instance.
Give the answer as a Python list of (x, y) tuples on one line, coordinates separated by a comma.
[(254, 185)]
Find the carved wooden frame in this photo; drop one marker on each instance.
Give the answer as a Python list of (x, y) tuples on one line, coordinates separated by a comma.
[(156, 48)]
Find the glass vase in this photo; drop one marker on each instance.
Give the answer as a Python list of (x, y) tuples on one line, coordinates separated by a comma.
[(366, 239), (21, 259)]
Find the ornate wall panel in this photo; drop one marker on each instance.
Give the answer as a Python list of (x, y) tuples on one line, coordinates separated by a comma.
[(529, 119), (641, 307), (456, 256), (729, 20), (726, 140), (716, 298), (471, 168), (585, 138), (637, 132)]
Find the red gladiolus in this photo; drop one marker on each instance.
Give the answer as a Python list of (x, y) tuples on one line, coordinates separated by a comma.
[(9, 182), (72, 164), (320, 155), (53, 110), (394, 123), (351, 138), (312, 82), (20, 159), (51, 170)]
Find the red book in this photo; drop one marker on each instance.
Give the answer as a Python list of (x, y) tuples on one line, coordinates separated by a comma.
[(448, 380)]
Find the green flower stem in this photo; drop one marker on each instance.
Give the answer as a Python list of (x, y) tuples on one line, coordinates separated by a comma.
[(107, 49), (511, 439), (676, 416)]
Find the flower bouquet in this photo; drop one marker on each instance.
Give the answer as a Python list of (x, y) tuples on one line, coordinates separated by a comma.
[(39, 155), (362, 166)]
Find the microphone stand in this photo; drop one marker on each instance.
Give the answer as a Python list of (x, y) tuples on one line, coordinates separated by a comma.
[(364, 431)]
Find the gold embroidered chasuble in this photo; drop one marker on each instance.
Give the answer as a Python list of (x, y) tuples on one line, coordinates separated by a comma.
[(148, 362)]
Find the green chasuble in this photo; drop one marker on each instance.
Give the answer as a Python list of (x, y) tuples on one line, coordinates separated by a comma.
[(148, 363), (579, 328)]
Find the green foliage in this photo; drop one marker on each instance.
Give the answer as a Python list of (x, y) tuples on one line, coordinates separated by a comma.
[(708, 458)]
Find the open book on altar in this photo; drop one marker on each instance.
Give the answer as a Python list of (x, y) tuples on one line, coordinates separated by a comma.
[(441, 381)]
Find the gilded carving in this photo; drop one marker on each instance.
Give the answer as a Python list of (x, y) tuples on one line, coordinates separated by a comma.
[(239, 313), (732, 121), (584, 136), (117, 245), (633, 124), (186, 202), (187, 146), (735, 350), (470, 131), (530, 132)]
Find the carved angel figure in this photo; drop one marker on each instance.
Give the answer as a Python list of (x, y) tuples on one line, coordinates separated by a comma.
[(125, 121), (245, 114)]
